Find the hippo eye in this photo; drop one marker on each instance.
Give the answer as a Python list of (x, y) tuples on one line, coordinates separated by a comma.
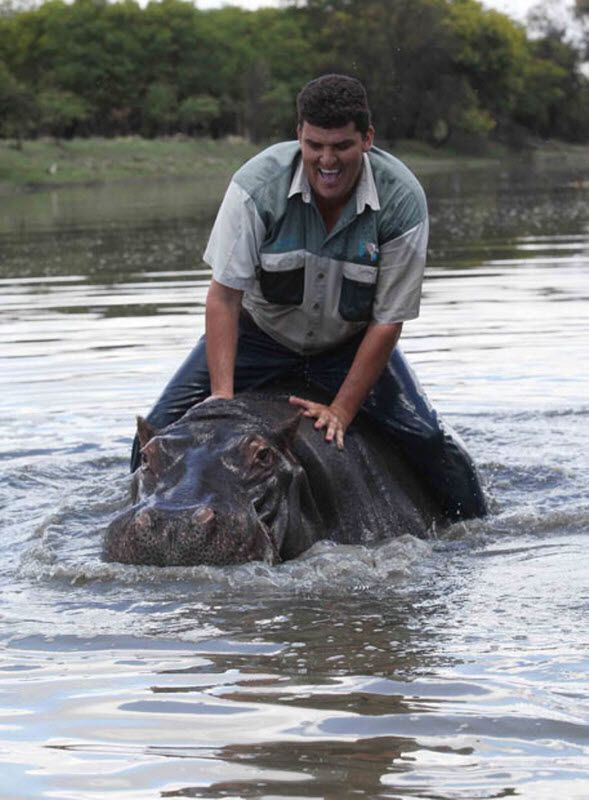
[(264, 456)]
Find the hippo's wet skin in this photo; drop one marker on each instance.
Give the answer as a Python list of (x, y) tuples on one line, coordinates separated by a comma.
[(247, 479)]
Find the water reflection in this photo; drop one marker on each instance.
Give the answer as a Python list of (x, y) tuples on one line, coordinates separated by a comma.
[(109, 207), (358, 766), (515, 200)]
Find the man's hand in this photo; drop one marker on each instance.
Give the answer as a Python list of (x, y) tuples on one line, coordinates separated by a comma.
[(330, 417)]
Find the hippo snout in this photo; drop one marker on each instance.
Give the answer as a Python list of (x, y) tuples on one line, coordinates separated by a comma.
[(160, 536)]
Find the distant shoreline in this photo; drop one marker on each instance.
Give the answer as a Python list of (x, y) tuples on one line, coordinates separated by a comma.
[(44, 164)]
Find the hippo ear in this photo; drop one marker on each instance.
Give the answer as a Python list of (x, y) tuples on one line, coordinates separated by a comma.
[(145, 431), (284, 435)]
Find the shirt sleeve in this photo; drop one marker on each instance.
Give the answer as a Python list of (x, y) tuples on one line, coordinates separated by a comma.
[(234, 244), (400, 275)]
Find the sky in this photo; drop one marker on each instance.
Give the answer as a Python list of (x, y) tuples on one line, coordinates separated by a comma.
[(517, 9)]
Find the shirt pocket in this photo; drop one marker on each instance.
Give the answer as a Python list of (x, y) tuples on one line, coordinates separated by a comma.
[(282, 278), (357, 292)]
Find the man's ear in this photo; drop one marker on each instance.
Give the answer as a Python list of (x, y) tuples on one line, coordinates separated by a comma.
[(368, 139)]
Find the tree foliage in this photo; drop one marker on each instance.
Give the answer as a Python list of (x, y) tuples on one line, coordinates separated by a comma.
[(17, 107), (436, 70)]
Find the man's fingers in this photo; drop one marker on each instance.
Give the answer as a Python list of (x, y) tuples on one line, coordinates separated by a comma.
[(331, 429), (311, 409), (324, 417), (335, 431), (321, 420), (299, 401)]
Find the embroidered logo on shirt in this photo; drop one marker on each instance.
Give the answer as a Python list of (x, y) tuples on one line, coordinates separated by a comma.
[(285, 243), (369, 249)]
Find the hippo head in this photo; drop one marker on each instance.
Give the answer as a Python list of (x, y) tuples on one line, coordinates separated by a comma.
[(217, 487)]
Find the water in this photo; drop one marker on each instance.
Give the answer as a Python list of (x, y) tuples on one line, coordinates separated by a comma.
[(455, 668)]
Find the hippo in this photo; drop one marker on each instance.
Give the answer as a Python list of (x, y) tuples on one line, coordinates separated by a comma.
[(250, 479)]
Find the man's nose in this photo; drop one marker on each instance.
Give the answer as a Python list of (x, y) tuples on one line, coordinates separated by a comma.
[(328, 157)]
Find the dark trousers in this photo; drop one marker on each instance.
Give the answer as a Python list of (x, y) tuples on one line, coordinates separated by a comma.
[(397, 402)]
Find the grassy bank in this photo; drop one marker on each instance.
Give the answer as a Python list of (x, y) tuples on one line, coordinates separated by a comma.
[(45, 163)]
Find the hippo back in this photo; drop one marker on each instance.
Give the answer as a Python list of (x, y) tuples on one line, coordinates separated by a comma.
[(363, 493)]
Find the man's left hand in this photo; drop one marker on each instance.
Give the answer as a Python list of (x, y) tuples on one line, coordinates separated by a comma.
[(330, 417)]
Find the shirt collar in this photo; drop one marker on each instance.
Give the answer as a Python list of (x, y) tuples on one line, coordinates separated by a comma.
[(366, 193)]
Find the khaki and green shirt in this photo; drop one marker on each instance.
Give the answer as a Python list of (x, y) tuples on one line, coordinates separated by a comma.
[(309, 289)]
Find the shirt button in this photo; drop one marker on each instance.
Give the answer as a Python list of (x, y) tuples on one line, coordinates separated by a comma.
[(320, 276), (316, 306), (310, 334)]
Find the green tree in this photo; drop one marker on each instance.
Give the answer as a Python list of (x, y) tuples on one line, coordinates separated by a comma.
[(267, 54), (160, 109), (435, 69), (197, 113), (60, 112), (418, 89), (491, 51), (87, 48), (17, 107), (581, 11)]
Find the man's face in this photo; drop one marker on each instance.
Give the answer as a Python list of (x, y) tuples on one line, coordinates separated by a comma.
[(332, 160)]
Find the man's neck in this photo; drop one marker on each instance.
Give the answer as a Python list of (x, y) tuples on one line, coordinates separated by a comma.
[(330, 217), (330, 212)]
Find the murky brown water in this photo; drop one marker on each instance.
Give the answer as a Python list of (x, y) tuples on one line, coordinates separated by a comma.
[(452, 669)]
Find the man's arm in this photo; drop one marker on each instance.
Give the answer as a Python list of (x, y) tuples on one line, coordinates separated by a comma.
[(370, 360), (221, 322)]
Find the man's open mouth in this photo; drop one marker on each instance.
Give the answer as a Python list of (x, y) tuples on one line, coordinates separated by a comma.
[(329, 176)]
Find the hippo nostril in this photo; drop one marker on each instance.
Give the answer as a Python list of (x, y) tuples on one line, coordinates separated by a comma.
[(142, 521), (204, 518)]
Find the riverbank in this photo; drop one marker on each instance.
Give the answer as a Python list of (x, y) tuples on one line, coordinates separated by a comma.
[(44, 163)]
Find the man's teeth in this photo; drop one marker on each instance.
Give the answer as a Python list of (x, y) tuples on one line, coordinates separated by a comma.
[(330, 175)]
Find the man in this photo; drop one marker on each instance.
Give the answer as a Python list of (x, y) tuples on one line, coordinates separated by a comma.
[(318, 252)]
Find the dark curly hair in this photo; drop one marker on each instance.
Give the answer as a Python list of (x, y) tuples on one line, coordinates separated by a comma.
[(333, 101)]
